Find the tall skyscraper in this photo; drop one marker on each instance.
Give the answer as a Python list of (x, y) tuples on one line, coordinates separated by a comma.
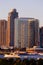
[(11, 17), (41, 37), (26, 32), (34, 37), (3, 33)]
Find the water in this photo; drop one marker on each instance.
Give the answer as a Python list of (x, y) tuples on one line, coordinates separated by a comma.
[(26, 56), (1, 56)]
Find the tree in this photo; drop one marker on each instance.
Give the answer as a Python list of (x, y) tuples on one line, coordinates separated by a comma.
[(32, 62), (40, 61)]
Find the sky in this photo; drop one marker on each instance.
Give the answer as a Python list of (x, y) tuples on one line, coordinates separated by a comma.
[(25, 8)]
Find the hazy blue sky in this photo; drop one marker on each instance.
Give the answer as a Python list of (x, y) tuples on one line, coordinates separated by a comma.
[(26, 8)]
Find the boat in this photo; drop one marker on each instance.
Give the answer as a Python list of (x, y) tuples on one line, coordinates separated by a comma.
[(11, 55)]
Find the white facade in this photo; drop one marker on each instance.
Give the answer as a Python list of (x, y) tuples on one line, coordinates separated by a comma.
[(16, 33)]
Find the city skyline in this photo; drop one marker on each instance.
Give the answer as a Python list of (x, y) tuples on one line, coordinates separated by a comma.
[(23, 32), (27, 8)]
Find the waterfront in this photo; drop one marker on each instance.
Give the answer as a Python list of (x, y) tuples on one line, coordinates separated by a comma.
[(22, 56)]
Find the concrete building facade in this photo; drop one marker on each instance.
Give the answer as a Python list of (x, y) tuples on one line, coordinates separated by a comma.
[(26, 32)]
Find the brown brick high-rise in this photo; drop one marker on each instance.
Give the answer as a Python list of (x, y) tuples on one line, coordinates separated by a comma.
[(3, 33)]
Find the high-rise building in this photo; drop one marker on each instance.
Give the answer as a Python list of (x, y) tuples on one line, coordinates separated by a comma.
[(3, 33), (11, 16), (26, 32), (41, 37), (34, 38)]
